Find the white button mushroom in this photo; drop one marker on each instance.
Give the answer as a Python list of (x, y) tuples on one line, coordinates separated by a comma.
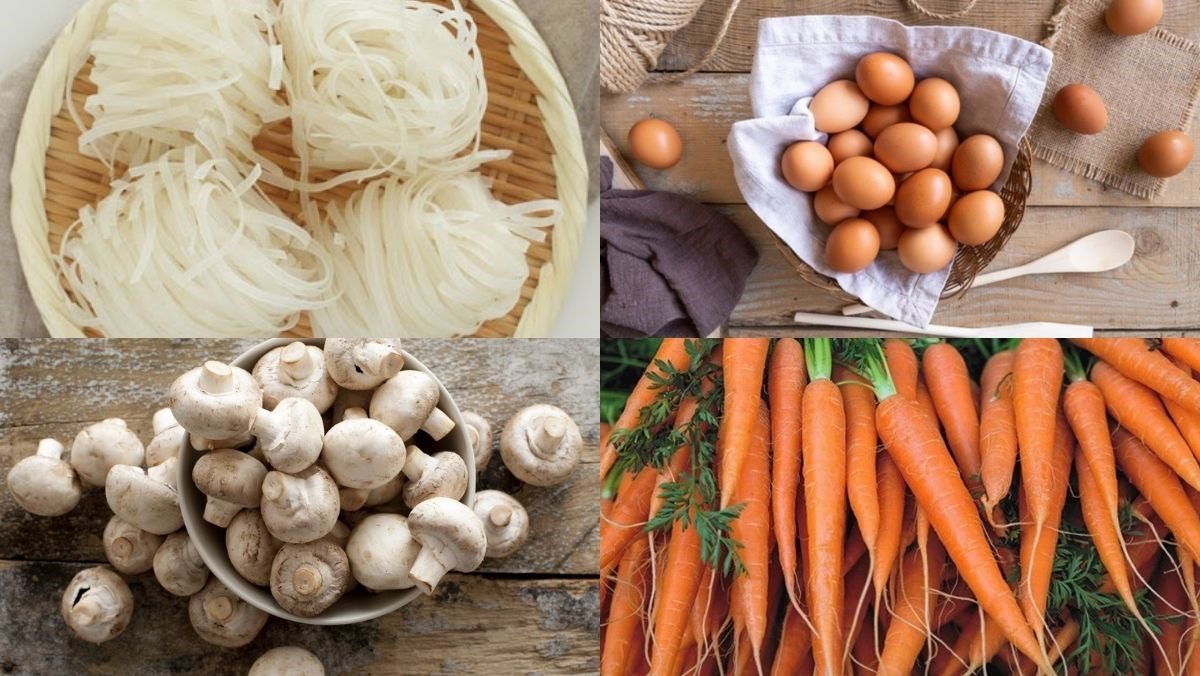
[(200, 443), (407, 402), (97, 605), (340, 535), (505, 522), (251, 547), (387, 492), (287, 661), (128, 548), (541, 445), (440, 475), (178, 566), (308, 578), (300, 508), (353, 499), (145, 498), (361, 452), (362, 364), (44, 484), (221, 618), (348, 399), (451, 538), (291, 435), (479, 433), (295, 370), (168, 438), (382, 551), (216, 401), (99, 447), (232, 480)]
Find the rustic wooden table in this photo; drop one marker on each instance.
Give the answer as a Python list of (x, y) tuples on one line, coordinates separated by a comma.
[(1156, 292), (535, 612)]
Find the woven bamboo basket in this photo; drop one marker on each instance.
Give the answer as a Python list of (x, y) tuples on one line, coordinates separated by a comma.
[(970, 260), (529, 113)]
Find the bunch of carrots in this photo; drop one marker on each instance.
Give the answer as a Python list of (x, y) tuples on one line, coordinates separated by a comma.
[(827, 507)]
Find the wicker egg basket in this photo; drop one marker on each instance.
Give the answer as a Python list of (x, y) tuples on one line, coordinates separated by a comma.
[(529, 113), (970, 260)]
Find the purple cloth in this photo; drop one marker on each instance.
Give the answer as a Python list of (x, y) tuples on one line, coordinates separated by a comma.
[(671, 266)]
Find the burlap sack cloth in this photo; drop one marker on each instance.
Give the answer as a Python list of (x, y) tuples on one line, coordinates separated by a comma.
[(1148, 82)]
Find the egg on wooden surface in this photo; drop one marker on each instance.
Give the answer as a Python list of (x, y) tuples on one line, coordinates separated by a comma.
[(889, 227), (977, 163), (884, 78), (1165, 154), (863, 183), (1133, 17), (849, 143), (655, 144), (881, 117), (934, 103), (852, 245), (838, 106), (924, 250), (976, 217), (905, 147), (1079, 108), (923, 199), (947, 143), (830, 209), (807, 166)]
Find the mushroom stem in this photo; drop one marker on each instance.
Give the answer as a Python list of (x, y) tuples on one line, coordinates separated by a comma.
[(164, 420), (307, 580), (220, 512), (416, 463), (269, 425), (218, 608), (216, 378), (428, 569), (545, 437), (354, 413), (378, 359), (87, 611), (122, 547), (438, 424), (50, 448), (296, 363), (500, 515)]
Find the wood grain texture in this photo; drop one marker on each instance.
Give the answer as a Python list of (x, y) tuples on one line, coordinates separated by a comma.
[(473, 624)]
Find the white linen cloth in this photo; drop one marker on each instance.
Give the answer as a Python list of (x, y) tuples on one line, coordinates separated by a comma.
[(1000, 80)]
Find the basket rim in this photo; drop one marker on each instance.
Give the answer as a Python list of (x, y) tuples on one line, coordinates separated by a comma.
[(31, 226)]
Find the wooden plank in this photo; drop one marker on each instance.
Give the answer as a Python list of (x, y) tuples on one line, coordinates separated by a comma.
[(532, 625), (1156, 291), (704, 107)]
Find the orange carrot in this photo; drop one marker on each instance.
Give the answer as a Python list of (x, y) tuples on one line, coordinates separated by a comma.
[(1037, 549), (1083, 402), (743, 365), (902, 362), (854, 551), (891, 491), (749, 596), (858, 579), (1037, 379), (1186, 350), (926, 401), (1105, 532), (672, 351), (624, 631), (911, 612), (710, 611), (949, 385), (794, 643), (1169, 606), (1161, 488), (861, 441), (997, 431), (785, 385), (1186, 420), (681, 459), (1135, 360), (626, 517), (677, 594)]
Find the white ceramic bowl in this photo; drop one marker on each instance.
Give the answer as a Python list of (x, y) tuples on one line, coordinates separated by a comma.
[(359, 605)]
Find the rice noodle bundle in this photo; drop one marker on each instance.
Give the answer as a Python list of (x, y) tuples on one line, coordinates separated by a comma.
[(187, 246), (383, 86), (434, 256), (167, 72)]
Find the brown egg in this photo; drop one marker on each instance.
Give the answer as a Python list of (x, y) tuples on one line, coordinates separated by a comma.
[(1165, 154), (947, 140), (977, 163), (838, 106), (807, 166), (976, 217), (934, 103), (884, 78), (1079, 108), (923, 199), (850, 143), (655, 144), (863, 183), (881, 117), (925, 250), (1133, 17), (889, 227), (852, 245), (905, 147), (830, 209)]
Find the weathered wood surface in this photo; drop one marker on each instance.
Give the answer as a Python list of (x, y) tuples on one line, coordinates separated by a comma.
[(537, 607)]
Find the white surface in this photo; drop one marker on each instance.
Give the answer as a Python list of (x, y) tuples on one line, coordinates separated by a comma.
[(28, 25)]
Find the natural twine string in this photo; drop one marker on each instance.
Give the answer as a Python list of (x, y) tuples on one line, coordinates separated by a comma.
[(633, 34), (920, 9)]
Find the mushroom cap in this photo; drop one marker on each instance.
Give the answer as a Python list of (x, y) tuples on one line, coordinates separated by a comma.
[(239, 442), (290, 436), (100, 446), (308, 578), (178, 566), (143, 500), (363, 453), (541, 445), (229, 475), (295, 370), (445, 476), (302, 507), (384, 494), (128, 548), (216, 401), (505, 522), (287, 661), (405, 401), (44, 486), (97, 605), (479, 430), (221, 618), (353, 499), (251, 547), (451, 538), (348, 399), (362, 363), (382, 551), (165, 445)]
